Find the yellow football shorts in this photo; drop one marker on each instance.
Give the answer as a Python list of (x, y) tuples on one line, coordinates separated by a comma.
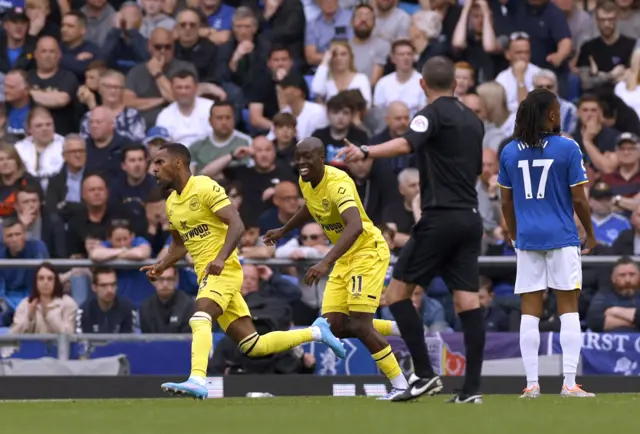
[(224, 290), (356, 283)]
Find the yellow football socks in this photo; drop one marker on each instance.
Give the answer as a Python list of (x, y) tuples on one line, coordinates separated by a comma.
[(387, 363), (256, 345), (384, 327), (202, 342)]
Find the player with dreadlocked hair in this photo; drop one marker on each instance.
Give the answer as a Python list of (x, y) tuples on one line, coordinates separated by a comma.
[(542, 177), (535, 119)]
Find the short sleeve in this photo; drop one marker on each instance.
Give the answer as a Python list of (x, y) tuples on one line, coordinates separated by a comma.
[(583, 57), (343, 194), (503, 175), (577, 171), (214, 197), (422, 127)]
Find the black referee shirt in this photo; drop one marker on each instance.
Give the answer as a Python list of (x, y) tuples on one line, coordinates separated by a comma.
[(446, 137)]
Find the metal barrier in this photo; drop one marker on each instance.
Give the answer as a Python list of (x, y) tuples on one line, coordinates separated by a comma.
[(484, 261)]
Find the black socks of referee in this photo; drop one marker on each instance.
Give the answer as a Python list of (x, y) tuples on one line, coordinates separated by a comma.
[(412, 331), (474, 336)]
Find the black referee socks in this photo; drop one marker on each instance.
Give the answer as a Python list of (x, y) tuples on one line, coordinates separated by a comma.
[(412, 331), (474, 336)]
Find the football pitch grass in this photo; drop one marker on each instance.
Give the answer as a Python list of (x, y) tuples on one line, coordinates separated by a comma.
[(549, 414)]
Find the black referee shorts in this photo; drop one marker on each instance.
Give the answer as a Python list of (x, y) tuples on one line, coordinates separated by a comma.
[(443, 243)]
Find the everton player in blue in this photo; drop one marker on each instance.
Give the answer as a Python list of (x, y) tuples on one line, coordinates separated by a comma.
[(542, 178)]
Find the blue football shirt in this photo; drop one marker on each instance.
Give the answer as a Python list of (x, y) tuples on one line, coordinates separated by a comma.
[(541, 181)]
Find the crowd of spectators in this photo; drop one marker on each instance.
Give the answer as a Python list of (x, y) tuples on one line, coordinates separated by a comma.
[(91, 89)]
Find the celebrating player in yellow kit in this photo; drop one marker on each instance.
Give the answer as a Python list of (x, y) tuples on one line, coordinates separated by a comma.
[(360, 254), (205, 224)]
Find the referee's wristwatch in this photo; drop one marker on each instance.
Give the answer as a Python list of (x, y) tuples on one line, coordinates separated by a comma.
[(365, 151)]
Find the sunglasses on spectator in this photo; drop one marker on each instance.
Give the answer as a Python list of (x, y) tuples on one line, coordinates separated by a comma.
[(517, 36), (161, 47), (313, 237)]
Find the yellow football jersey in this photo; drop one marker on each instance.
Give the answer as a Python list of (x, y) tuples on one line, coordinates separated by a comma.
[(192, 214), (335, 193)]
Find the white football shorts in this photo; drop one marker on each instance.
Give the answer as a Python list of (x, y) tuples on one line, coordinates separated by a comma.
[(538, 270)]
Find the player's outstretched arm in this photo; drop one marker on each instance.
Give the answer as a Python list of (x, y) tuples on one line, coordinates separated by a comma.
[(509, 211), (392, 148), (299, 219), (235, 228), (583, 211)]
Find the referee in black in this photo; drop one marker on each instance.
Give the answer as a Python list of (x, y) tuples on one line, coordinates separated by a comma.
[(446, 137)]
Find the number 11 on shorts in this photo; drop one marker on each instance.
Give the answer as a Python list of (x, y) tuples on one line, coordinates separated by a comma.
[(356, 284)]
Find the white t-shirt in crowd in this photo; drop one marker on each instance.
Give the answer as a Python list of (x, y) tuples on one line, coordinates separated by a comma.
[(510, 84), (324, 86), (312, 117), (187, 129), (630, 98), (389, 89)]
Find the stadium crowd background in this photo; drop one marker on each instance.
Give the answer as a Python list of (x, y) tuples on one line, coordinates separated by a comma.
[(91, 89)]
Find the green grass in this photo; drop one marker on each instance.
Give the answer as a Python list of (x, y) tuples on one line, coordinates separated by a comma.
[(499, 414)]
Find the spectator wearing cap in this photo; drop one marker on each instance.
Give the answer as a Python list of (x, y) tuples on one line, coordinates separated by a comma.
[(154, 17), (17, 101), (124, 46), (155, 137), (53, 87), (596, 140), (121, 243), (625, 180), (15, 245), (128, 121), (16, 46), (604, 59), (195, 49), (517, 80), (99, 15), (63, 194), (92, 220), (309, 116), (333, 23), (607, 225), (134, 185), (219, 16), (187, 119), (224, 139), (77, 52), (148, 85), (403, 84), (264, 103), (546, 79)]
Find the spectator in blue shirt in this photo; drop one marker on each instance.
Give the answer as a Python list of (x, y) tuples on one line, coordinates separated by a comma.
[(106, 312), (122, 244), (607, 225), (16, 47), (77, 52), (125, 47), (333, 23), (219, 17), (17, 281)]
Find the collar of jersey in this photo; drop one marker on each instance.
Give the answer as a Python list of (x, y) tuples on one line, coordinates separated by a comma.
[(187, 187), (324, 179)]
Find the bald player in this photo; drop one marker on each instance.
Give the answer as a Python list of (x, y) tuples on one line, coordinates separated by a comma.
[(360, 257)]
